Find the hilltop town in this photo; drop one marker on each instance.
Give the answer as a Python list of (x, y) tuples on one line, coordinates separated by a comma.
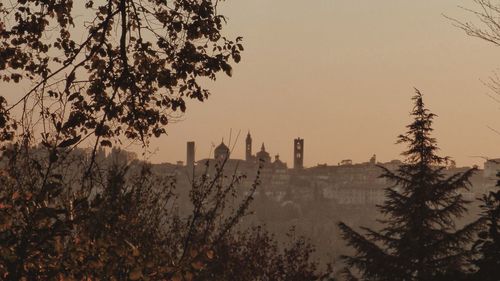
[(346, 183), (309, 199)]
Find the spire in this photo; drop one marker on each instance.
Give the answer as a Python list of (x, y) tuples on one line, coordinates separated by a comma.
[(248, 149), (263, 148)]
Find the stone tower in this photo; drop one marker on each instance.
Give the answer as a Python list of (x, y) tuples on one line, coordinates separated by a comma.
[(190, 154), (248, 147), (298, 153)]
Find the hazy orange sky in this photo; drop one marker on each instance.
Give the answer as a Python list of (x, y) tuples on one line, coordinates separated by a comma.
[(340, 74)]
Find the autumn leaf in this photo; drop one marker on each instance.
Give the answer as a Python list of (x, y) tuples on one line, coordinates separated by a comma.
[(135, 274), (177, 277), (188, 276), (210, 254), (15, 195), (198, 265), (5, 206), (193, 253), (136, 252)]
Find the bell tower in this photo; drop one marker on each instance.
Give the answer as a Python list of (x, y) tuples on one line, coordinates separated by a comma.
[(248, 147), (298, 153), (190, 154)]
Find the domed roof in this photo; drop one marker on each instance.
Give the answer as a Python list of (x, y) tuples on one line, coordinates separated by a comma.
[(278, 164), (221, 151), (263, 154), (222, 147)]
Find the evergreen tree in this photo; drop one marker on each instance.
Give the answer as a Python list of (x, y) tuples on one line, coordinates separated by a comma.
[(488, 242), (418, 240)]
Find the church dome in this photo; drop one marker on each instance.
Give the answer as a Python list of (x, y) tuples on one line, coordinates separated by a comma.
[(263, 155), (221, 151), (278, 164)]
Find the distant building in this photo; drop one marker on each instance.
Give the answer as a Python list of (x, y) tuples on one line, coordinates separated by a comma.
[(346, 183), (221, 152), (263, 155), (346, 162), (248, 148), (190, 154), (278, 164), (491, 168), (121, 156), (298, 153), (280, 175)]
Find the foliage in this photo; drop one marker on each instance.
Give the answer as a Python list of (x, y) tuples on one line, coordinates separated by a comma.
[(487, 245), (103, 69), (107, 67), (242, 256), (129, 227), (34, 220), (419, 240)]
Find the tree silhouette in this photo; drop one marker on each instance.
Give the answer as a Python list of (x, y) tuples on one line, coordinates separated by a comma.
[(485, 27), (419, 240), (103, 69), (242, 256), (107, 68), (487, 246), (129, 227)]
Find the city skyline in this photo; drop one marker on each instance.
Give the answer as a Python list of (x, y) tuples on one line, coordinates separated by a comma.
[(340, 75), (250, 140), (298, 150)]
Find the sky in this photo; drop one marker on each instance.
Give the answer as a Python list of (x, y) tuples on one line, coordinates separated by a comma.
[(340, 74)]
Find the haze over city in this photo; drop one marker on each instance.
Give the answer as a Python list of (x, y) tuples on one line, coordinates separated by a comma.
[(340, 74), (283, 140)]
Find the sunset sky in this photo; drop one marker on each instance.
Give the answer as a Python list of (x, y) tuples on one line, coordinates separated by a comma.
[(340, 74)]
